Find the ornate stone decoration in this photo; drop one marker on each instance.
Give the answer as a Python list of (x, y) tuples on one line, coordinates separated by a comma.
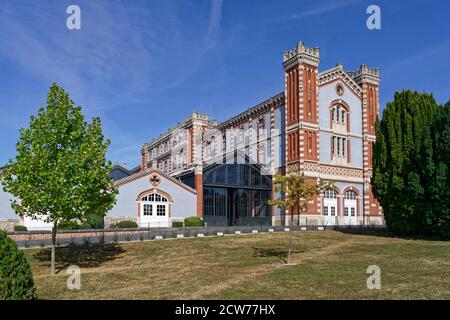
[(155, 180), (339, 73)]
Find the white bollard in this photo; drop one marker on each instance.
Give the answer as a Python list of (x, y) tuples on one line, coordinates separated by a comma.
[(286, 229), (320, 228), (237, 232), (220, 233), (158, 237), (255, 231), (270, 230), (200, 235), (304, 229), (180, 235)]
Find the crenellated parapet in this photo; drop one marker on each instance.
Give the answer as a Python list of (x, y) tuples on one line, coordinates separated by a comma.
[(366, 75), (301, 54)]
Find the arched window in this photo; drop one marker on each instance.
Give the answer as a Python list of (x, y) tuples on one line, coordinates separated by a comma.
[(154, 203), (154, 197), (350, 195), (339, 114), (330, 194)]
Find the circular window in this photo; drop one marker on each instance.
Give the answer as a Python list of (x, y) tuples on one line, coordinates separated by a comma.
[(155, 180), (339, 89)]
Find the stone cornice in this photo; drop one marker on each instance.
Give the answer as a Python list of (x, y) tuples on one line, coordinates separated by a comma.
[(253, 112), (189, 121)]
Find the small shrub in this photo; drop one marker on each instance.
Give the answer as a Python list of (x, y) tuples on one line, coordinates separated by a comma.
[(177, 224), (68, 225), (115, 237), (129, 236), (20, 228), (193, 222), (95, 221), (16, 279), (86, 240), (101, 238), (141, 236), (127, 224)]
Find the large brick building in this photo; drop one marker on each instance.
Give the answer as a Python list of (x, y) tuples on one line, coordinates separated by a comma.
[(323, 124)]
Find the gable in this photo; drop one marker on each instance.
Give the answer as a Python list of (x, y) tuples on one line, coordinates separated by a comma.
[(336, 74), (144, 179)]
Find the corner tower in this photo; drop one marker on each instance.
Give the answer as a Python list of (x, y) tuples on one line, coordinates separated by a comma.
[(302, 108), (369, 80)]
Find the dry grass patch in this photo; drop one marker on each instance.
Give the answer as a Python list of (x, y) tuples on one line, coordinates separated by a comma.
[(328, 265)]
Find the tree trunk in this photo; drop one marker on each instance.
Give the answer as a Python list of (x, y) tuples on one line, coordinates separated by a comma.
[(290, 238), (289, 249), (53, 258)]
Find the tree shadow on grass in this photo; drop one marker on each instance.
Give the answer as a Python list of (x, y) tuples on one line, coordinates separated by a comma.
[(281, 254), (384, 232), (366, 231), (87, 256)]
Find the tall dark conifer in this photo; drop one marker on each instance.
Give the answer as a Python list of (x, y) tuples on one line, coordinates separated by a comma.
[(405, 163)]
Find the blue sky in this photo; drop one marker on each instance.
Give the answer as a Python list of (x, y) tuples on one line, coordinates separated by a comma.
[(142, 66)]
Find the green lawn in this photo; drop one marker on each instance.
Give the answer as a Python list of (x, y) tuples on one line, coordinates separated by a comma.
[(327, 265)]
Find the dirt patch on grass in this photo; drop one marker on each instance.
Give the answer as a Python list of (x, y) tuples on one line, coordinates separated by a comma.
[(327, 265)]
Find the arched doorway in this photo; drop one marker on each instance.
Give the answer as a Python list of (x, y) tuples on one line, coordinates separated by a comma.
[(350, 205), (154, 210), (329, 210)]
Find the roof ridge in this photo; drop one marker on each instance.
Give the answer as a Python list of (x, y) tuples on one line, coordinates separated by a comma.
[(149, 171)]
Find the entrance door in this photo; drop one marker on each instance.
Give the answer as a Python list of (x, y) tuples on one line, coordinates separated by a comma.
[(154, 211), (329, 210), (350, 217)]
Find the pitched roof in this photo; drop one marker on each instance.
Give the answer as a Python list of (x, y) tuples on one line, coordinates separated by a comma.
[(148, 172)]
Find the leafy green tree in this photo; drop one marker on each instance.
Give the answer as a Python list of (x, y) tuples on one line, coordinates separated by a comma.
[(408, 168), (60, 173), (296, 192)]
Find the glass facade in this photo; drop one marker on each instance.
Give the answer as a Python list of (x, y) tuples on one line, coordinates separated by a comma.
[(236, 194)]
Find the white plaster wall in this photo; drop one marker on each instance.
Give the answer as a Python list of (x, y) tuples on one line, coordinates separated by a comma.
[(6, 212), (327, 94), (184, 201)]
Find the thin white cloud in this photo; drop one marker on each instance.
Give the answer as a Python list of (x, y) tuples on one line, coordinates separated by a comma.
[(405, 63), (112, 55), (208, 43), (323, 7), (124, 52)]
